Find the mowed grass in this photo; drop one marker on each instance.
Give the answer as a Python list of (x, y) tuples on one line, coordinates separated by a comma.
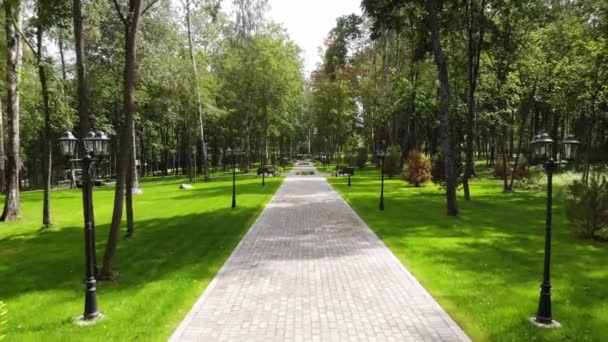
[(485, 267), (182, 239)]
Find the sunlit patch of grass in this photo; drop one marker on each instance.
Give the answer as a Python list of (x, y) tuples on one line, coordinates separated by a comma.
[(182, 239)]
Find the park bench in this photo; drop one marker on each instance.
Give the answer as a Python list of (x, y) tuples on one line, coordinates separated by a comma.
[(267, 170), (343, 171)]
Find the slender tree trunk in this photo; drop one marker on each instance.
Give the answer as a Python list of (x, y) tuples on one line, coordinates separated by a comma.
[(199, 101), (2, 153), (520, 140), (587, 166), (83, 102), (12, 202), (444, 109), (130, 187), (474, 53), (505, 161), (62, 58), (134, 184), (48, 151), (131, 27)]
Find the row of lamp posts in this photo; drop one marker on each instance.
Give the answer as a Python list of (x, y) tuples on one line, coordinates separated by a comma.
[(96, 147)]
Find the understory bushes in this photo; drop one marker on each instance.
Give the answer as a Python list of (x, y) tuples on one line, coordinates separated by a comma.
[(438, 170), (361, 158), (523, 171), (392, 163), (587, 207), (418, 169)]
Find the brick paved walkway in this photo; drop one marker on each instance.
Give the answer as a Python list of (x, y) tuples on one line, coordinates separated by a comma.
[(310, 269)]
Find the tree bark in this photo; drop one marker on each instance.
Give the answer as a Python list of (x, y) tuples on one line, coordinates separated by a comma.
[(2, 153), (64, 75), (199, 101), (474, 53), (48, 151), (12, 202), (131, 27), (444, 109)]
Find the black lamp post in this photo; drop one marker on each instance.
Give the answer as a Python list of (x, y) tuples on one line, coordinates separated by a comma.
[(263, 167), (348, 165), (96, 147), (234, 154), (542, 148), (381, 154)]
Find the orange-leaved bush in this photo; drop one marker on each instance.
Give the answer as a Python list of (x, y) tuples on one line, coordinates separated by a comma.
[(418, 169)]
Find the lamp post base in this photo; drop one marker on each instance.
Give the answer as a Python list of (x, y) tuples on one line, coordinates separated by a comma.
[(83, 321), (552, 325)]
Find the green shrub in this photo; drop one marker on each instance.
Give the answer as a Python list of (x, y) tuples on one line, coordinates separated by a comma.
[(587, 206), (3, 320), (361, 158), (392, 163), (418, 169), (438, 170)]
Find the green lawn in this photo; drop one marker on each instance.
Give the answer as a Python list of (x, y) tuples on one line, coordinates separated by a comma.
[(485, 267), (182, 239)]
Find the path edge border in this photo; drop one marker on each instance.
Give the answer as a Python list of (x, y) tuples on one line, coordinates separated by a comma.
[(178, 332)]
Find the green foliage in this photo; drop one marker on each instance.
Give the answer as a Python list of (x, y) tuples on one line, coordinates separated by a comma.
[(587, 206), (393, 164), (438, 170), (418, 169), (362, 157)]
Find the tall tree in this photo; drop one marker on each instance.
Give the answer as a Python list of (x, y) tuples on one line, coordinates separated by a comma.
[(12, 24), (447, 129), (199, 103), (131, 23), (475, 16)]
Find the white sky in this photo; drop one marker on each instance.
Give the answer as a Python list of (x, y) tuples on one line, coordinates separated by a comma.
[(308, 22)]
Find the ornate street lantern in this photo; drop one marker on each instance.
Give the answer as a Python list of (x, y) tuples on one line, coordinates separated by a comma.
[(101, 144), (542, 147), (570, 147), (67, 144)]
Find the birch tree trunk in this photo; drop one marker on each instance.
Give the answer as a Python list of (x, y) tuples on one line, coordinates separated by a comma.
[(199, 101), (13, 71), (48, 151)]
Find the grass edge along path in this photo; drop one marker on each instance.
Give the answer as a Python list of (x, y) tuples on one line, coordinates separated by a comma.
[(183, 237), (485, 267)]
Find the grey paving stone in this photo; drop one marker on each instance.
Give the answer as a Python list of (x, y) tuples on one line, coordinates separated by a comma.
[(310, 269)]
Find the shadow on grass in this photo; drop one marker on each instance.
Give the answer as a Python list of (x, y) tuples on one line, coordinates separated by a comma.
[(162, 247)]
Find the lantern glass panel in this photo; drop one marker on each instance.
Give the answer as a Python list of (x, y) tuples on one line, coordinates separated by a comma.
[(67, 144), (89, 142), (568, 151), (68, 148), (102, 143), (570, 148), (542, 146)]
